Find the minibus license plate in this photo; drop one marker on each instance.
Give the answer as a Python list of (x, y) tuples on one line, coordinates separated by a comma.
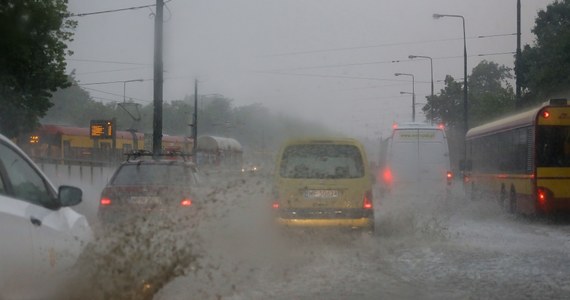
[(312, 194)]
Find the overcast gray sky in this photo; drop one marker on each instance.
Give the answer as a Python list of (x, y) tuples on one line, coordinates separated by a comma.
[(327, 60)]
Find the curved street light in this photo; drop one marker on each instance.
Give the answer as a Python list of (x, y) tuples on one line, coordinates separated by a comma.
[(413, 93), (465, 106), (431, 68)]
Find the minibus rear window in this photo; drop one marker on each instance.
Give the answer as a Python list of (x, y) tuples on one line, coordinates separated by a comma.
[(322, 161)]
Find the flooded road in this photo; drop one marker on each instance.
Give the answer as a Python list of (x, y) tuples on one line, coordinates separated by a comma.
[(434, 249), (424, 247)]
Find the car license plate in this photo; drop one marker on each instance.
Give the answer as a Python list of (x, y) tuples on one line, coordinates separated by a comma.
[(141, 200), (318, 194)]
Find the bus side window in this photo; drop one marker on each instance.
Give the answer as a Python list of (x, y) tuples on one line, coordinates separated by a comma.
[(66, 149)]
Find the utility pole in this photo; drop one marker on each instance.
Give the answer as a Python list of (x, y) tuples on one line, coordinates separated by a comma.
[(518, 99), (195, 123), (158, 80)]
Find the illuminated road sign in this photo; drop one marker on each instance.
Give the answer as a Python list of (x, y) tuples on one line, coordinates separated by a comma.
[(102, 129)]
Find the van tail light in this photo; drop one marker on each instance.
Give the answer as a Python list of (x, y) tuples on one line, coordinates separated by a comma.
[(449, 177), (367, 204), (105, 201), (186, 202), (387, 176)]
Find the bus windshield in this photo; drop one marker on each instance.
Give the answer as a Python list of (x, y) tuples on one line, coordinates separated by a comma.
[(553, 146), (322, 161)]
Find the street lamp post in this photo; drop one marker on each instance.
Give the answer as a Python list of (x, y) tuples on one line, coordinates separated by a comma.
[(413, 93), (413, 100), (125, 87), (431, 68), (465, 106)]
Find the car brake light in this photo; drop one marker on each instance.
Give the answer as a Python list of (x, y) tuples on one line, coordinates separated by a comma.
[(545, 114), (275, 205), (449, 175), (105, 201), (367, 200), (186, 202)]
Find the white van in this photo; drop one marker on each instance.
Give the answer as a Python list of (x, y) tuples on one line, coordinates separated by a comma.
[(417, 155)]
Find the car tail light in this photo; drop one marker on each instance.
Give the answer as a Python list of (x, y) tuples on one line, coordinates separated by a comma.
[(105, 201), (186, 202), (545, 114), (275, 205), (387, 176), (367, 204)]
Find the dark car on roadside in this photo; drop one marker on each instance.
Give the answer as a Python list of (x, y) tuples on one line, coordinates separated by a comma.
[(149, 188)]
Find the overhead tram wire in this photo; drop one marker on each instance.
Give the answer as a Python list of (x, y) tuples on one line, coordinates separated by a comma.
[(108, 62), (107, 82), (114, 94), (331, 76), (382, 62), (110, 71), (383, 45), (114, 10)]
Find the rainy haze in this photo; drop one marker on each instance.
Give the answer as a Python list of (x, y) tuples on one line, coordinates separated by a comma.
[(264, 149)]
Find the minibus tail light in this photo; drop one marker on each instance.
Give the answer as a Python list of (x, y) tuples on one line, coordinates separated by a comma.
[(275, 204), (367, 200)]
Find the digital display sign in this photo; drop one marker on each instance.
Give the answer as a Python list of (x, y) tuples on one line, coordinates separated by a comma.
[(102, 129)]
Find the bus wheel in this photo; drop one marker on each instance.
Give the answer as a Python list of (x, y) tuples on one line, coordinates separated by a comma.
[(512, 202)]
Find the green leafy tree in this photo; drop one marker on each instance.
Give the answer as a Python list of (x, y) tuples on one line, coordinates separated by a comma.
[(32, 60), (545, 66), (490, 95), (447, 106)]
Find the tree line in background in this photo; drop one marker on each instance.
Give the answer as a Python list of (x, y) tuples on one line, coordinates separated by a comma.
[(253, 125)]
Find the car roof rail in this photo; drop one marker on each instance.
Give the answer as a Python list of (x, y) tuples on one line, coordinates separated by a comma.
[(137, 154)]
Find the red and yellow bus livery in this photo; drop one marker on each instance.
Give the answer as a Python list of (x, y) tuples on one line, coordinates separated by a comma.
[(523, 159)]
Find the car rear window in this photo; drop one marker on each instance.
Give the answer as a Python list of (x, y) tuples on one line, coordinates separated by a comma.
[(322, 161), (153, 174)]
